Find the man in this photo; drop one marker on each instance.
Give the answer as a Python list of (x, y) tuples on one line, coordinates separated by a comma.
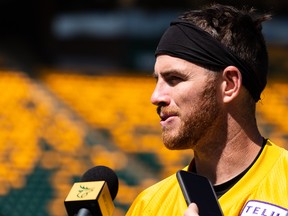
[(192, 210), (211, 68)]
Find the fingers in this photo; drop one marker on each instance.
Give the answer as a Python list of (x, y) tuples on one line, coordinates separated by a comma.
[(192, 210)]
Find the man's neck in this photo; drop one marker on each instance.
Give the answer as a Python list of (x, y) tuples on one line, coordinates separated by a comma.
[(222, 162)]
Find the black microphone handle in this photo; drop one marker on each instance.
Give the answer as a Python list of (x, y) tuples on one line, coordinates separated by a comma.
[(84, 212)]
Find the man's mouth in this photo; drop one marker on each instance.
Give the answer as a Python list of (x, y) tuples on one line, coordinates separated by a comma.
[(164, 116), (165, 113)]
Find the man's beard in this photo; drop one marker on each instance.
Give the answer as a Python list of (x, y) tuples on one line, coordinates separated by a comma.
[(196, 124)]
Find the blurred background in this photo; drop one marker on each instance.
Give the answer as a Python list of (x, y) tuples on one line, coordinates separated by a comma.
[(75, 81)]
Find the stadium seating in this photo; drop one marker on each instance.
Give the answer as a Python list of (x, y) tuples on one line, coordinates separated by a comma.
[(56, 126)]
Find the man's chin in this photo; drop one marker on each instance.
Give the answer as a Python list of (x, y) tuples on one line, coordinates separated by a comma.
[(175, 146), (174, 140)]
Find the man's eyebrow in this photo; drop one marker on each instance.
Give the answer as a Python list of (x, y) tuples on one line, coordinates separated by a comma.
[(170, 72)]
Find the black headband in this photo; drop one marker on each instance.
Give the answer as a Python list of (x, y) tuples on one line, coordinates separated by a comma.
[(187, 41)]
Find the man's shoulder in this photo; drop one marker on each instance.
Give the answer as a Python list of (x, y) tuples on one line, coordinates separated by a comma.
[(165, 184), (272, 147), (274, 156), (168, 183), (162, 187), (163, 196)]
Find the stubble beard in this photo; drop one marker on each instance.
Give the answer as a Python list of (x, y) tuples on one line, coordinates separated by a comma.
[(195, 126)]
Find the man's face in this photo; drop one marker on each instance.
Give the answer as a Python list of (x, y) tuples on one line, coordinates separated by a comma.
[(185, 96)]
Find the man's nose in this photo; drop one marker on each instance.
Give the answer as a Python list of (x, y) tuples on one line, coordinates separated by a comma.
[(160, 95)]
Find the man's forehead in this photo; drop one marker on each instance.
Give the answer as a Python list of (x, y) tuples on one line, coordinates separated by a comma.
[(168, 64)]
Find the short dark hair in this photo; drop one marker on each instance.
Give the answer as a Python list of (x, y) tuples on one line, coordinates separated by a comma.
[(240, 30)]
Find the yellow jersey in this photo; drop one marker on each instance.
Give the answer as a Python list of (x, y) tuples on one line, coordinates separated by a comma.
[(262, 191)]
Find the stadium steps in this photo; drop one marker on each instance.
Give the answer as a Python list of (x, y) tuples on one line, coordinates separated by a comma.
[(38, 131), (55, 127)]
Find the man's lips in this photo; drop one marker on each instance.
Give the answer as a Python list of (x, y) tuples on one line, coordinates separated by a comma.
[(165, 113), (164, 116)]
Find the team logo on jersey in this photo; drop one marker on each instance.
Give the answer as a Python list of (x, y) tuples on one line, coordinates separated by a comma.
[(256, 207)]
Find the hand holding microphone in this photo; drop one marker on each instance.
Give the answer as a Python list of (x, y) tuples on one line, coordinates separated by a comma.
[(192, 210), (94, 195), (198, 190)]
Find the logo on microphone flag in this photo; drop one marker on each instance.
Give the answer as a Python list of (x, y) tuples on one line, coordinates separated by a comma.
[(90, 195), (84, 191)]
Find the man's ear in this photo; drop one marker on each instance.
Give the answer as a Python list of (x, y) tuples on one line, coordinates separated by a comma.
[(231, 83)]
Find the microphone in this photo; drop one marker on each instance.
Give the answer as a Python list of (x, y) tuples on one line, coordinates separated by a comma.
[(199, 190), (94, 194)]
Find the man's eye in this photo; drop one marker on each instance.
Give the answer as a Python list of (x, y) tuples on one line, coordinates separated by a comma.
[(174, 80)]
